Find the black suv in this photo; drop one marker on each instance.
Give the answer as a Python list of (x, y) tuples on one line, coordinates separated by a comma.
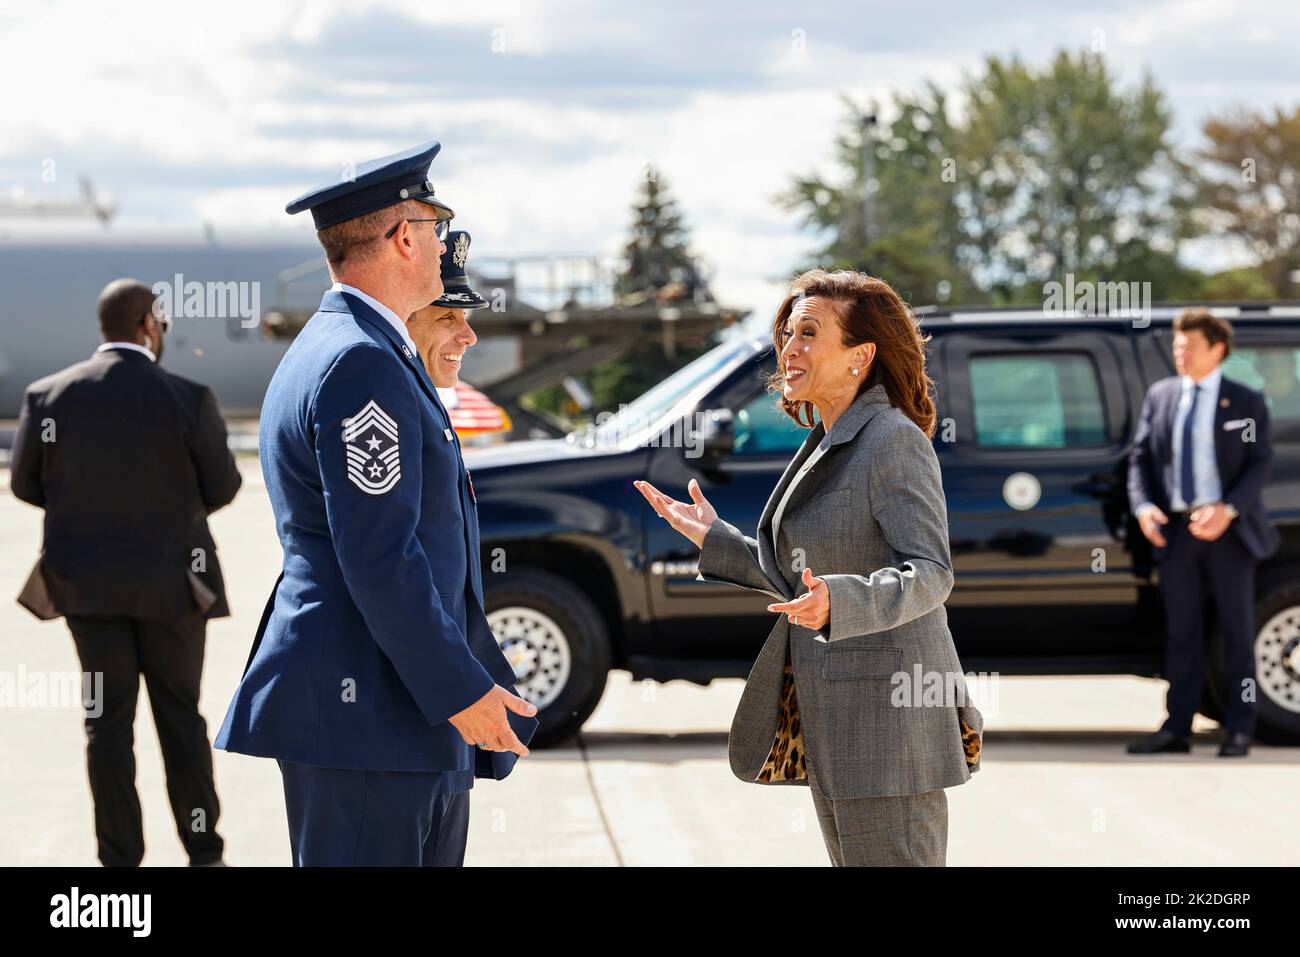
[(1036, 417)]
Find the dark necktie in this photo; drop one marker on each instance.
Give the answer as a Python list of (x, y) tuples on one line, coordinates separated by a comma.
[(1187, 477)]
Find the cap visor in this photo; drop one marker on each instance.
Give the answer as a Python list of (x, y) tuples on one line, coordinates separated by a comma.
[(460, 299), (446, 210)]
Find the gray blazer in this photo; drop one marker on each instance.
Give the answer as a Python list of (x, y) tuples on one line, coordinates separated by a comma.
[(880, 693)]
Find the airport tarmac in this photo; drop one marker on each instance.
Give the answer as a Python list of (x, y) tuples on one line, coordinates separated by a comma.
[(648, 781)]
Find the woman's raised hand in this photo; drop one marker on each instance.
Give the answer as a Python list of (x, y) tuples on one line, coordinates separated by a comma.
[(812, 609), (692, 518)]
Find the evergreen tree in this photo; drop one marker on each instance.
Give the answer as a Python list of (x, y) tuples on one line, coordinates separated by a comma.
[(659, 267)]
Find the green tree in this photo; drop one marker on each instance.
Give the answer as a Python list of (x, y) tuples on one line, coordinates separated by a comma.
[(914, 233), (1047, 171), (1237, 285), (659, 269), (1251, 187), (623, 379), (1060, 171), (659, 266), (617, 381)]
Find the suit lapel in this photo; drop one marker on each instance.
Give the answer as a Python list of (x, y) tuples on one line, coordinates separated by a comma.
[(1171, 421), (1222, 410), (862, 410), (469, 508), (1171, 416), (766, 546)]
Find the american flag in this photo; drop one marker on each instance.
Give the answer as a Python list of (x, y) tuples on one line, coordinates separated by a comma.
[(473, 413)]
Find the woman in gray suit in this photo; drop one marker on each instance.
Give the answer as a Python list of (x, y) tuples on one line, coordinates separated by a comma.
[(858, 692)]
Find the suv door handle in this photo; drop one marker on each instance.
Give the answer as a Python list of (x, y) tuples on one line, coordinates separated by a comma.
[(1101, 485)]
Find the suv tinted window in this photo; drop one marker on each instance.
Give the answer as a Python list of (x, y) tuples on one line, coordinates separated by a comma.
[(1036, 401), (762, 428), (1273, 369)]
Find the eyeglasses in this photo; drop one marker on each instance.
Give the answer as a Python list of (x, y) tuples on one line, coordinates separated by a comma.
[(440, 230)]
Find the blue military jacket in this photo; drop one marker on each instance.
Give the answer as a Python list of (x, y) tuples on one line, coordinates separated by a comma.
[(375, 634)]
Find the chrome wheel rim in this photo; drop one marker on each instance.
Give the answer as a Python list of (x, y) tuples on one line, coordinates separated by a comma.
[(537, 650), (1277, 659)]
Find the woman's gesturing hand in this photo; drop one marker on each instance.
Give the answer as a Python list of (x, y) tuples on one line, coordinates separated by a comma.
[(692, 518), (812, 609)]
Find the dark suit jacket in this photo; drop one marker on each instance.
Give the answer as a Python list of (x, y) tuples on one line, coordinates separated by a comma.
[(1243, 465), (127, 460), (381, 589)]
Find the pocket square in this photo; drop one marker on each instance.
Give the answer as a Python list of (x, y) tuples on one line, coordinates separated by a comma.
[(1234, 424)]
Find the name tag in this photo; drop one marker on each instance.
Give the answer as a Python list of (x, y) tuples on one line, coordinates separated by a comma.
[(447, 434), (1234, 424)]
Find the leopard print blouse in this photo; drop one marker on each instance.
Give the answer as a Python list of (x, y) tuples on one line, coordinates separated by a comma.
[(786, 760)]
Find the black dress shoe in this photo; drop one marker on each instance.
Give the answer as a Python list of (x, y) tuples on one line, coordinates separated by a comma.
[(1236, 744), (1161, 742)]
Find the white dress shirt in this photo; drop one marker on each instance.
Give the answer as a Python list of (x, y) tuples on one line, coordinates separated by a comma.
[(1204, 466), (134, 347), (384, 311)]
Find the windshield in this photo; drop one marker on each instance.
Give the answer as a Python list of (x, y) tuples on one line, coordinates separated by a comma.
[(633, 424)]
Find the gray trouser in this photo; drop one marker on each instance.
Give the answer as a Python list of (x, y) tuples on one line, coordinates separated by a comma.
[(896, 831)]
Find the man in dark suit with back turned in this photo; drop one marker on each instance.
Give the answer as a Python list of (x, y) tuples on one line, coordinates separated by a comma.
[(128, 460), (1195, 478)]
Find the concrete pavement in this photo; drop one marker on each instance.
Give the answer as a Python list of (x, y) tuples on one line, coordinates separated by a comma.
[(648, 783)]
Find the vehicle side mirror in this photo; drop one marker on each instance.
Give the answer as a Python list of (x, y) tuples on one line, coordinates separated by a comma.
[(715, 437)]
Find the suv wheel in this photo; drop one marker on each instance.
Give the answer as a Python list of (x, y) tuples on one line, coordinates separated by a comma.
[(1277, 666), (558, 644)]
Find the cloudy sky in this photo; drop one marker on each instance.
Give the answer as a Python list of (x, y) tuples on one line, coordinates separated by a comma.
[(548, 111)]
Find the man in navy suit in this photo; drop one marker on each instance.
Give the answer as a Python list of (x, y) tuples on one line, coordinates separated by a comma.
[(1195, 478), (375, 680)]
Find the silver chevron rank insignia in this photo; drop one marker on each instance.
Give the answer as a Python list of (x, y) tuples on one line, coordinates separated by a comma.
[(370, 438)]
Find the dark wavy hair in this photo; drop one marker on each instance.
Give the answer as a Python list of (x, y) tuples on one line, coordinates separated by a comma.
[(1202, 320), (869, 311)]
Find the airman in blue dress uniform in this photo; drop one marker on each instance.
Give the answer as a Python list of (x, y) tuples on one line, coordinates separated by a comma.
[(438, 331), (456, 290), (441, 329), (374, 680)]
